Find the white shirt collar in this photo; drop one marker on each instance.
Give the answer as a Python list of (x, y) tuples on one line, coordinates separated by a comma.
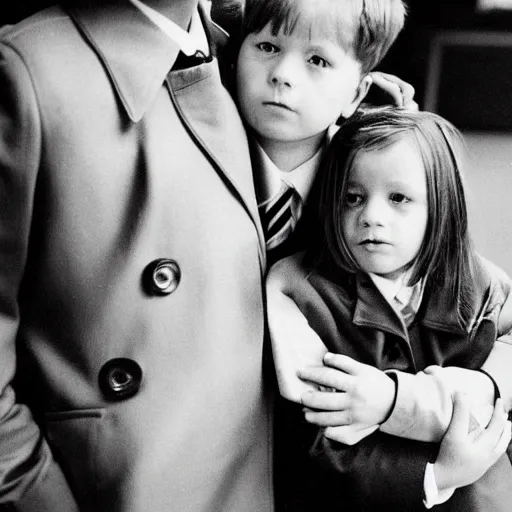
[(189, 42), (271, 178), (397, 290)]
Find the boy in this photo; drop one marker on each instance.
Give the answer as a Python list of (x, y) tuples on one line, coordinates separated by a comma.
[(302, 66)]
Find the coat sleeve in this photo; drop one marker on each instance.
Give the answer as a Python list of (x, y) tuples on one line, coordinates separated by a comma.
[(424, 401), (30, 479), (423, 407), (499, 362)]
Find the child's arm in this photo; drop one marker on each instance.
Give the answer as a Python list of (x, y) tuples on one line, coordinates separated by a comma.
[(423, 406), (294, 344), (423, 402), (419, 407)]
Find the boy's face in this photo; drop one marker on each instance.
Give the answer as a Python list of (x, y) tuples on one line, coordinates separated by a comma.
[(293, 87), (386, 208)]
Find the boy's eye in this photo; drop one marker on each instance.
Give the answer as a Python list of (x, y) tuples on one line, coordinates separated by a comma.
[(318, 61), (352, 199), (267, 47), (398, 198)]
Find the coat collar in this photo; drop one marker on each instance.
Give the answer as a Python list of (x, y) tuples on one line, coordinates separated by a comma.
[(136, 54), (373, 310)]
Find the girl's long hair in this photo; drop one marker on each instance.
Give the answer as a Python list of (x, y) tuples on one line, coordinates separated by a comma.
[(446, 258)]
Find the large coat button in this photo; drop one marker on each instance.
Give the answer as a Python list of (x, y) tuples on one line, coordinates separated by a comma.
[(161, 277), (120, 378)]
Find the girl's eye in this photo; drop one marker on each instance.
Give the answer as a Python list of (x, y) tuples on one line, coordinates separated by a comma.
[(398, 198), (267, 47), (318, 61), (352, 199)]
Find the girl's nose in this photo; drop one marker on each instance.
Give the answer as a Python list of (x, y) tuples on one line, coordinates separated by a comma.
[(373, 213)]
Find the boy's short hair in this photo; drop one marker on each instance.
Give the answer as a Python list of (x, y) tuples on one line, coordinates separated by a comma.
[(367, 28)]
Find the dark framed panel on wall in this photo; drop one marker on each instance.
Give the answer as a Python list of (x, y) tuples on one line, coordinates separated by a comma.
[(469, 79)]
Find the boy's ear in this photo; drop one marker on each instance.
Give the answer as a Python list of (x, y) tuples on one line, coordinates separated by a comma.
[(361, 92)]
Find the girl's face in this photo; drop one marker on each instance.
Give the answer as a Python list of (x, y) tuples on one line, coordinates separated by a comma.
[(386, 208)]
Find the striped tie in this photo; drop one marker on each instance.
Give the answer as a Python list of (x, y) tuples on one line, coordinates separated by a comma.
[(276, 217)]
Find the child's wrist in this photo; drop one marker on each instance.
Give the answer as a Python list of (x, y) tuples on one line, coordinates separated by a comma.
[(496, 389), (441, 477), (393, 397)]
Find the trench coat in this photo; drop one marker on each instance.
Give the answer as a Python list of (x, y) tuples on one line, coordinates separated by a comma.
[(131, 264)]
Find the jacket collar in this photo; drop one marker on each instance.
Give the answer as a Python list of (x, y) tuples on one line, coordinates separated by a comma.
[(373, 310), (136, 54)]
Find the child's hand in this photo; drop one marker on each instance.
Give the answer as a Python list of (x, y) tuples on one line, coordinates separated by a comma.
[(465, 456), (400, 92), (363, 398)]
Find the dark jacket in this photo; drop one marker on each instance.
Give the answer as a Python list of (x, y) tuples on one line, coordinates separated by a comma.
[(353, 318)]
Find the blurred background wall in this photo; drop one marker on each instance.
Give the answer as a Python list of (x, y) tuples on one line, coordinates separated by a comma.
[(458, 56)]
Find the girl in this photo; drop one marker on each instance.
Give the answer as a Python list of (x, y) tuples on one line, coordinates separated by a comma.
[(392, 282)]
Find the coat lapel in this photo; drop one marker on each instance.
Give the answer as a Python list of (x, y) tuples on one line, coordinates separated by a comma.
[(205, 106), (373, 310), (213, 121)]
